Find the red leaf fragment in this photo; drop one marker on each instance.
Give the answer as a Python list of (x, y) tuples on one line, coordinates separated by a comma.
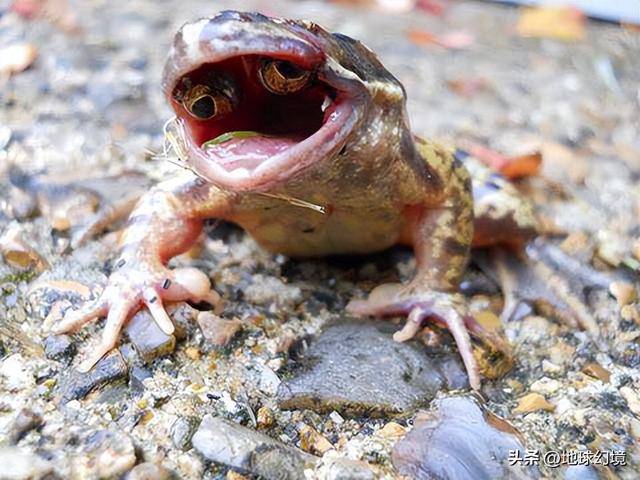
[(514, 167)]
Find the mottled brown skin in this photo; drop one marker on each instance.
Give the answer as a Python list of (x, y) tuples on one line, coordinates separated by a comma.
[(377, 185)]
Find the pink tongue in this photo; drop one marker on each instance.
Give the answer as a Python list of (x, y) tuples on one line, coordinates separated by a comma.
[(249, 152)]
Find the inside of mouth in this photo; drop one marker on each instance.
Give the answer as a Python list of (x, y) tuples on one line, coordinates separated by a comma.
[(261, 123)]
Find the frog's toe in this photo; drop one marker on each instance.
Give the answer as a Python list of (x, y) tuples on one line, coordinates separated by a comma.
[(383, 300), (411, 328), (419, 305), (75, 320), (154, 304), (115, 321), (455, 322), (130, 289)]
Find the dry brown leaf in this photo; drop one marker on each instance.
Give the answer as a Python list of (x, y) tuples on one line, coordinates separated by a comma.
[(19, 254), (518, 166), (533, 402), (560, 23)]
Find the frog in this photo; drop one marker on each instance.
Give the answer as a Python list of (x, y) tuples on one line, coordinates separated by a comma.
[(301, 137)]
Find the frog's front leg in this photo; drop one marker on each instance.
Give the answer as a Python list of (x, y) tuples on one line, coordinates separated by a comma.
[(165, 223), (441, 237)]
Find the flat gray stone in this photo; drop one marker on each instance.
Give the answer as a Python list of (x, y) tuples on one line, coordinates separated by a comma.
[(182, 431), (59, 347), (146, 336), (231, 444), (460, 439), (76, 385), (356, 368)]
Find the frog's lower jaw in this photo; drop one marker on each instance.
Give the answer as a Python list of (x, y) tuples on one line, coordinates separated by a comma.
[(257, 162)]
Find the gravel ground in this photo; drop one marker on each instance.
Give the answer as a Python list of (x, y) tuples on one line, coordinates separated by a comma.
[(89, 111)]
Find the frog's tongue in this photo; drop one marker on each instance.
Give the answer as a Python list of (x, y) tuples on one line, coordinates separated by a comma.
[(248, 152)]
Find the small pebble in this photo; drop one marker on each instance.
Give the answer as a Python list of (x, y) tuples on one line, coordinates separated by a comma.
[(233, 475), (597, 371), (545, 386), (577, 243), (17, 58), (190, 466), (533, 402), (561, 353), (268, 381), (20, 464), (549, 367), (632, 398), (623, 292), (20, 205), (564, 405), (223, 441), (285, 343), (630, 313), (18, 254), (217, 330), (193, 353), (276, 364), (149, 471), (336, 418), (312, 441), (182, 431), (116, 456), (392, 430), (611, 247), (59, 347), (150, 341), (265, 417), (636, 249), (340, 468), (137, 376), (26, 421), (488, 320), (15, 375)]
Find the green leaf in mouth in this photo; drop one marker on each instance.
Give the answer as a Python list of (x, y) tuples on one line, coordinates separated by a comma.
[(228, 136)]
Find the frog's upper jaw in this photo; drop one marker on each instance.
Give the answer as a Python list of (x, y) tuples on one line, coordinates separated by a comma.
[(271, 82)]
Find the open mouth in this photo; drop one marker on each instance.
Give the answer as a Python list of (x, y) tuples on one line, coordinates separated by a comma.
[(252, 119)]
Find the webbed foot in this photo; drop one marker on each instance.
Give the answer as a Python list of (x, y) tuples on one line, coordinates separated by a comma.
[(419, 303), (130, 288)]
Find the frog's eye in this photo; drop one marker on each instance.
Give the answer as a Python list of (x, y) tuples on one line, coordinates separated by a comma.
[(204, 103), (282, 77)]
